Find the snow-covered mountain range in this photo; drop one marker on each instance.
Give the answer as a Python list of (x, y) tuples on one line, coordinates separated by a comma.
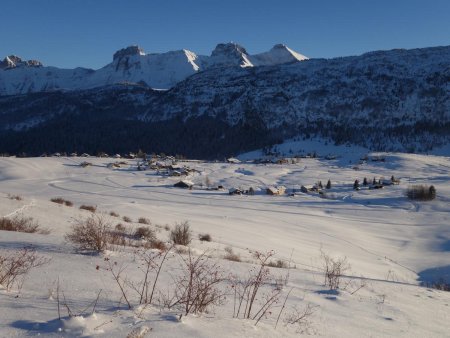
[(132, 64), (396, 100)]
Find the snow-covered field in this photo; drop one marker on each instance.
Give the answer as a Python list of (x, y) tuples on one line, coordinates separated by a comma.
[(392, 244)]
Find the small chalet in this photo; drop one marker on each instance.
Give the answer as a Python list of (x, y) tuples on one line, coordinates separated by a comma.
[(233, 160), (184, 184), (280, 190)]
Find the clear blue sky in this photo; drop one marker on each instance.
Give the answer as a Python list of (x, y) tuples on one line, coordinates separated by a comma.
[(69, 33)]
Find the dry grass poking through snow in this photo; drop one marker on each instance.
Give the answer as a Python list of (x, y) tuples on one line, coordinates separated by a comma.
[(90, 208), (60, 200), (21, 224), (15, 197)]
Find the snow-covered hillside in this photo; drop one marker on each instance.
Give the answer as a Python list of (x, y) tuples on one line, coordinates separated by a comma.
[(397, 100), (133, 65), (392, 245)]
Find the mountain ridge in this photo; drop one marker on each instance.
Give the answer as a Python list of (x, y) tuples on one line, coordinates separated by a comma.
[(396, 100), (132, 64)]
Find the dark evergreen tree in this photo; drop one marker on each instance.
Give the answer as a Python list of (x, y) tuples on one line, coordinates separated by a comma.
[(432, 192), (328, 184), (356, 185), (365, 181)]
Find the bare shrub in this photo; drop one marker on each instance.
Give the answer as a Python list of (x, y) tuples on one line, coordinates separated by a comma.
[(150, 264), (90, 208), (421, 192), (17, 264), (15, 197), (21, 224), (145, 233), (143, 220), (300, 318), (278, 264), (181, 234), (126, 219), (334, 268), (181, 250), (247, 291), (119, 237), (91, 234), (60, 200), (204, 237), (156, 244), (120, 227), (114, 214), (230, 255), (197, 289)]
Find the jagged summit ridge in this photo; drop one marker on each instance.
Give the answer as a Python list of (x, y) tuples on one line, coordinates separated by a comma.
[(132, 65), (131, 50), (13, 61)]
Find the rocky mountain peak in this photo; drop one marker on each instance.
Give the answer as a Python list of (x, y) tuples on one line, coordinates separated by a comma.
[(13, 61), (128, 51)]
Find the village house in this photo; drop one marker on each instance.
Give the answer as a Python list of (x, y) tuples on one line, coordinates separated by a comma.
[(279, 190)]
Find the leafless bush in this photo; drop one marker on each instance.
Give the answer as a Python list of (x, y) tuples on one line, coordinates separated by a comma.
[(300, 318), (204, 237), (145, 233), (90, 208), (181, 250), (143, 220), (15, 197), (114, 214), (181, 234), (60, 200), (421, 192), (21, 224), (230, 255), (248, 290), (156, 244), (334, 268), (17, 264), (71, 311), (91, 234), (278, 264), (127, 219), (120, 227), (197, 289), (150, 264)]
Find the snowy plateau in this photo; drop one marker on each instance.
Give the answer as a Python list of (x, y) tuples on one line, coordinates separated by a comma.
[(304, 196), (394, 251)]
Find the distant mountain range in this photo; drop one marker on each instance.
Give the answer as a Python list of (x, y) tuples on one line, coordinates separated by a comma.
[(132, 65), (228, 102)]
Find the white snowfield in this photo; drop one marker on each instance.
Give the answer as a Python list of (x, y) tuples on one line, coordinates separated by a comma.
[(391, 243)]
